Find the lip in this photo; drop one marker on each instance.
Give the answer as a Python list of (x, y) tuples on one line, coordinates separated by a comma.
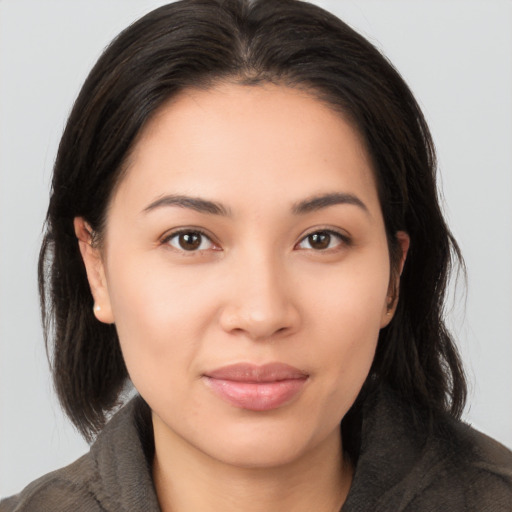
[(256, 387)]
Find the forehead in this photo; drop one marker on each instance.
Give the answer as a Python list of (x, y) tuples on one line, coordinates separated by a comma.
[(236, 136), (259, 107)]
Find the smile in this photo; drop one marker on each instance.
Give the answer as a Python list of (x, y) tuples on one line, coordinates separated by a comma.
[(256, 388)]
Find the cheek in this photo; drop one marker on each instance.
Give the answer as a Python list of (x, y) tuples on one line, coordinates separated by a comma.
[(342, 360), (345, 317), (160, 317), (347, 343), (146, 291), (350, 299)]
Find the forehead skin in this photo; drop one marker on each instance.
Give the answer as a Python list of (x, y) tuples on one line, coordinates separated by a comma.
[(191, 119)]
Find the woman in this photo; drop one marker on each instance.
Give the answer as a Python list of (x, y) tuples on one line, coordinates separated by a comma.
[(244, 223)]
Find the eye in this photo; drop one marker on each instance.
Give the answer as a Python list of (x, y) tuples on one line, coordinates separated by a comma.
[(322, 240), (190, 241)]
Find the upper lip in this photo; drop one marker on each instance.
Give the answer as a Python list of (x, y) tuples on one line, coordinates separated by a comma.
[(249, 372)]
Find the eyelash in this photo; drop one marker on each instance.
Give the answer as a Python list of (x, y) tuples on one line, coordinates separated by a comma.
[(343, 240), (187, 231)]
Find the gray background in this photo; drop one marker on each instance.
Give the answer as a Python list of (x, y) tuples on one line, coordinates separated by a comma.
[(457, 57)]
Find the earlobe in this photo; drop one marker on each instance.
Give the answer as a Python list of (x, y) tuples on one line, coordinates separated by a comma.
[(94, 266), (388, 312)]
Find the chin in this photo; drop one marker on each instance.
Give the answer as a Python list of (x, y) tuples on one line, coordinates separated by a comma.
[(259, 454), (265, 443)]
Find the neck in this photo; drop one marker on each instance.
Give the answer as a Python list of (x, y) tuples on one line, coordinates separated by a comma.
[(186, 481)]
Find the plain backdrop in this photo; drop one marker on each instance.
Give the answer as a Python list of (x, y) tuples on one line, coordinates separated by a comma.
[(455, 55)]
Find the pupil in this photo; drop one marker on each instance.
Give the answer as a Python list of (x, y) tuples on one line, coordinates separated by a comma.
[(190, 241), (320, 240)]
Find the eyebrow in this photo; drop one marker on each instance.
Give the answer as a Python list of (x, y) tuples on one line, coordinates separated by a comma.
[(193, 203), (324, 201), (213, 208)]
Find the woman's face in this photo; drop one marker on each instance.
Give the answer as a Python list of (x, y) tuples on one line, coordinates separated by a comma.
[(245, 265)]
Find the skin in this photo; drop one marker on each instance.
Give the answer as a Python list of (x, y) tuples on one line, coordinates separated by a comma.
[(257, 289)]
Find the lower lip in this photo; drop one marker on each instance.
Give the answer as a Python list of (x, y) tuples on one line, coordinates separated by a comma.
[(256, 396)]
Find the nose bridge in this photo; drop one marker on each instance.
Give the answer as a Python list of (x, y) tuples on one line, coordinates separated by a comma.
[(261, 302)]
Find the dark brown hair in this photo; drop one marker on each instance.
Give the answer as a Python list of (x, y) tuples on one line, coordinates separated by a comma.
[(197, 43)]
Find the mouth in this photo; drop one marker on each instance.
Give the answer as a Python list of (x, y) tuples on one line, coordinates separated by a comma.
[(256, 388)]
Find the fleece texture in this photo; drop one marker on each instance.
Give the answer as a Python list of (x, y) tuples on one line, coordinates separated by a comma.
[(404, 464)]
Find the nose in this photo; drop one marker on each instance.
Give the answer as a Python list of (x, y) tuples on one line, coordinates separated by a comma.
[(261, 301)]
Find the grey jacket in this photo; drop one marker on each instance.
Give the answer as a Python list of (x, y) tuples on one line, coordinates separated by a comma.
[(402, 467)]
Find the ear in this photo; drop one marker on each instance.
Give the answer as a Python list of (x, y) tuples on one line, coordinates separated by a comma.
[(389, 309), (95, 269)]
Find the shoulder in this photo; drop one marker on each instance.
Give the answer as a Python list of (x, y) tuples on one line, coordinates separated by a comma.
[(461, 469), (412, 462), (62, 490), (473, 471), (115, 475), (484, 453)]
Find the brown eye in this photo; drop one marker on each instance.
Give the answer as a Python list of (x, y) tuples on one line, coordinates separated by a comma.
[(322, 240), (190, 241)]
